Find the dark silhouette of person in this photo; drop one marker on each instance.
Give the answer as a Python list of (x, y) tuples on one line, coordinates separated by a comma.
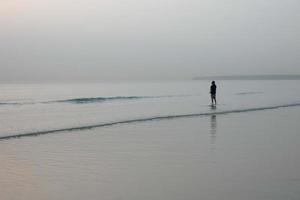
[(213, 91)]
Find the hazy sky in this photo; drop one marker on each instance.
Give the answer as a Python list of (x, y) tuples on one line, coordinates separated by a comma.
[(130, 39)]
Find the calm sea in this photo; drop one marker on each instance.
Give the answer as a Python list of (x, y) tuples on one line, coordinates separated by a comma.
[(29, 109)]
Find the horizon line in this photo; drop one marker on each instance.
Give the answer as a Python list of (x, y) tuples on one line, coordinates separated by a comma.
[(251, 77)]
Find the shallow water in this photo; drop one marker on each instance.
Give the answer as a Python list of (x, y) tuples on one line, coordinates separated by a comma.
[(41, 108), (150, 140), (253, 155)]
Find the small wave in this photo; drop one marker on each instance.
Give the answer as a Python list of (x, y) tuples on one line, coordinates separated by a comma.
[(87, 100), (102, 99), (166, 117), (114, 98), (95, 99), (248, 93), (7, 103)]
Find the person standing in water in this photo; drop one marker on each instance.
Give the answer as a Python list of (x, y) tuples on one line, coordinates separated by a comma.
[(213, 91)]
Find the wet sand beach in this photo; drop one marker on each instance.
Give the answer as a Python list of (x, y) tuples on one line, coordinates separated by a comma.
[(250, 155)]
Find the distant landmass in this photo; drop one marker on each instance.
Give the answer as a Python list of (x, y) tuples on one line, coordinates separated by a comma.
[(250, 77)]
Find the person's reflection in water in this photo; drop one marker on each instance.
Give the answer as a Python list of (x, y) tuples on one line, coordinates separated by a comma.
[(213, 129)]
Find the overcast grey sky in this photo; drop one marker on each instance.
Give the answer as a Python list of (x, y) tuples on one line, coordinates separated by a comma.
[(160, 39)]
